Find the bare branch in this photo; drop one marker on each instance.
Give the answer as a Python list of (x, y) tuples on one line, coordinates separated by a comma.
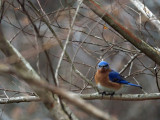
[(19, 99), (93, 96), (147, 13), (129, 62), (41, 84), (23, 70), (59, 42), (129, 36), (23, 67), (67, 40), (124, 97)]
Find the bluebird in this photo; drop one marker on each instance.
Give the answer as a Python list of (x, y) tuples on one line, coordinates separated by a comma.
[(108, 80)]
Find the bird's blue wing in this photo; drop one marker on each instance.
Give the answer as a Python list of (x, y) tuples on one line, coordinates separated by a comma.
[(116, 77)]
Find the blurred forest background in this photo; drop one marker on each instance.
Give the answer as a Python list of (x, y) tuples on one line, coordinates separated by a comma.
[(25, 24)]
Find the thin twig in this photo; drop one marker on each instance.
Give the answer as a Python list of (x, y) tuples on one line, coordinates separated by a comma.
[(43, 85), (43, 11), (19, 99), (67, 40), (129, 62), (147, 13), (156, 75)]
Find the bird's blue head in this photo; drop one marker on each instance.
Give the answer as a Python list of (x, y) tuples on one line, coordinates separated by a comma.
[(103, 64)]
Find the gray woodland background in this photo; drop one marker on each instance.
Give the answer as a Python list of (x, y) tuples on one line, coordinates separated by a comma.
[(102, 42)]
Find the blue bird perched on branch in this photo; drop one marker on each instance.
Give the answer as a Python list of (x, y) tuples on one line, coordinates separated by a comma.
[(108, 80)]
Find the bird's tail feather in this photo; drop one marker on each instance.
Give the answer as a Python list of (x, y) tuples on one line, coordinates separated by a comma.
[(134, 85)]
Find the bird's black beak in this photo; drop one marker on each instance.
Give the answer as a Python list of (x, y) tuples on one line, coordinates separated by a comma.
[(103, 67)]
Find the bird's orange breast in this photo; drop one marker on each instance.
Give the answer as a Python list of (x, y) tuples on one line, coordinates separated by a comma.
[(102, 78)]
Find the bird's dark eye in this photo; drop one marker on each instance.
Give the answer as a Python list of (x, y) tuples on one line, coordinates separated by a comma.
[(106, 66), (103, 66)]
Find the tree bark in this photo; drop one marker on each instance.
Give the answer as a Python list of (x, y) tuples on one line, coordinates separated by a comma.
[(129, 36)]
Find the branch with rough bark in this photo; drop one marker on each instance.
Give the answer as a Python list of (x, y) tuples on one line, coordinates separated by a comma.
[(123, 97), (129, 36), (44, 86), (92, 96), (23, 70), (74, 98), (19, 99), (147, 13), (23, 67)]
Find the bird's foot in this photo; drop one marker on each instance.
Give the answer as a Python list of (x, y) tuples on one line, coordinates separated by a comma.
[(111, 95), (104, 93)]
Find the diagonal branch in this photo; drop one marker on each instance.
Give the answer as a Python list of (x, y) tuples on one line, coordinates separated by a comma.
[(23, 70), (67, 40), (44, 86), (147, 13), (62, 47), (23, 67), (129, 36), (129, 62)]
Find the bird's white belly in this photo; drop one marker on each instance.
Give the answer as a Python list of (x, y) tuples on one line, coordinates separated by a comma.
[(105, 89)]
